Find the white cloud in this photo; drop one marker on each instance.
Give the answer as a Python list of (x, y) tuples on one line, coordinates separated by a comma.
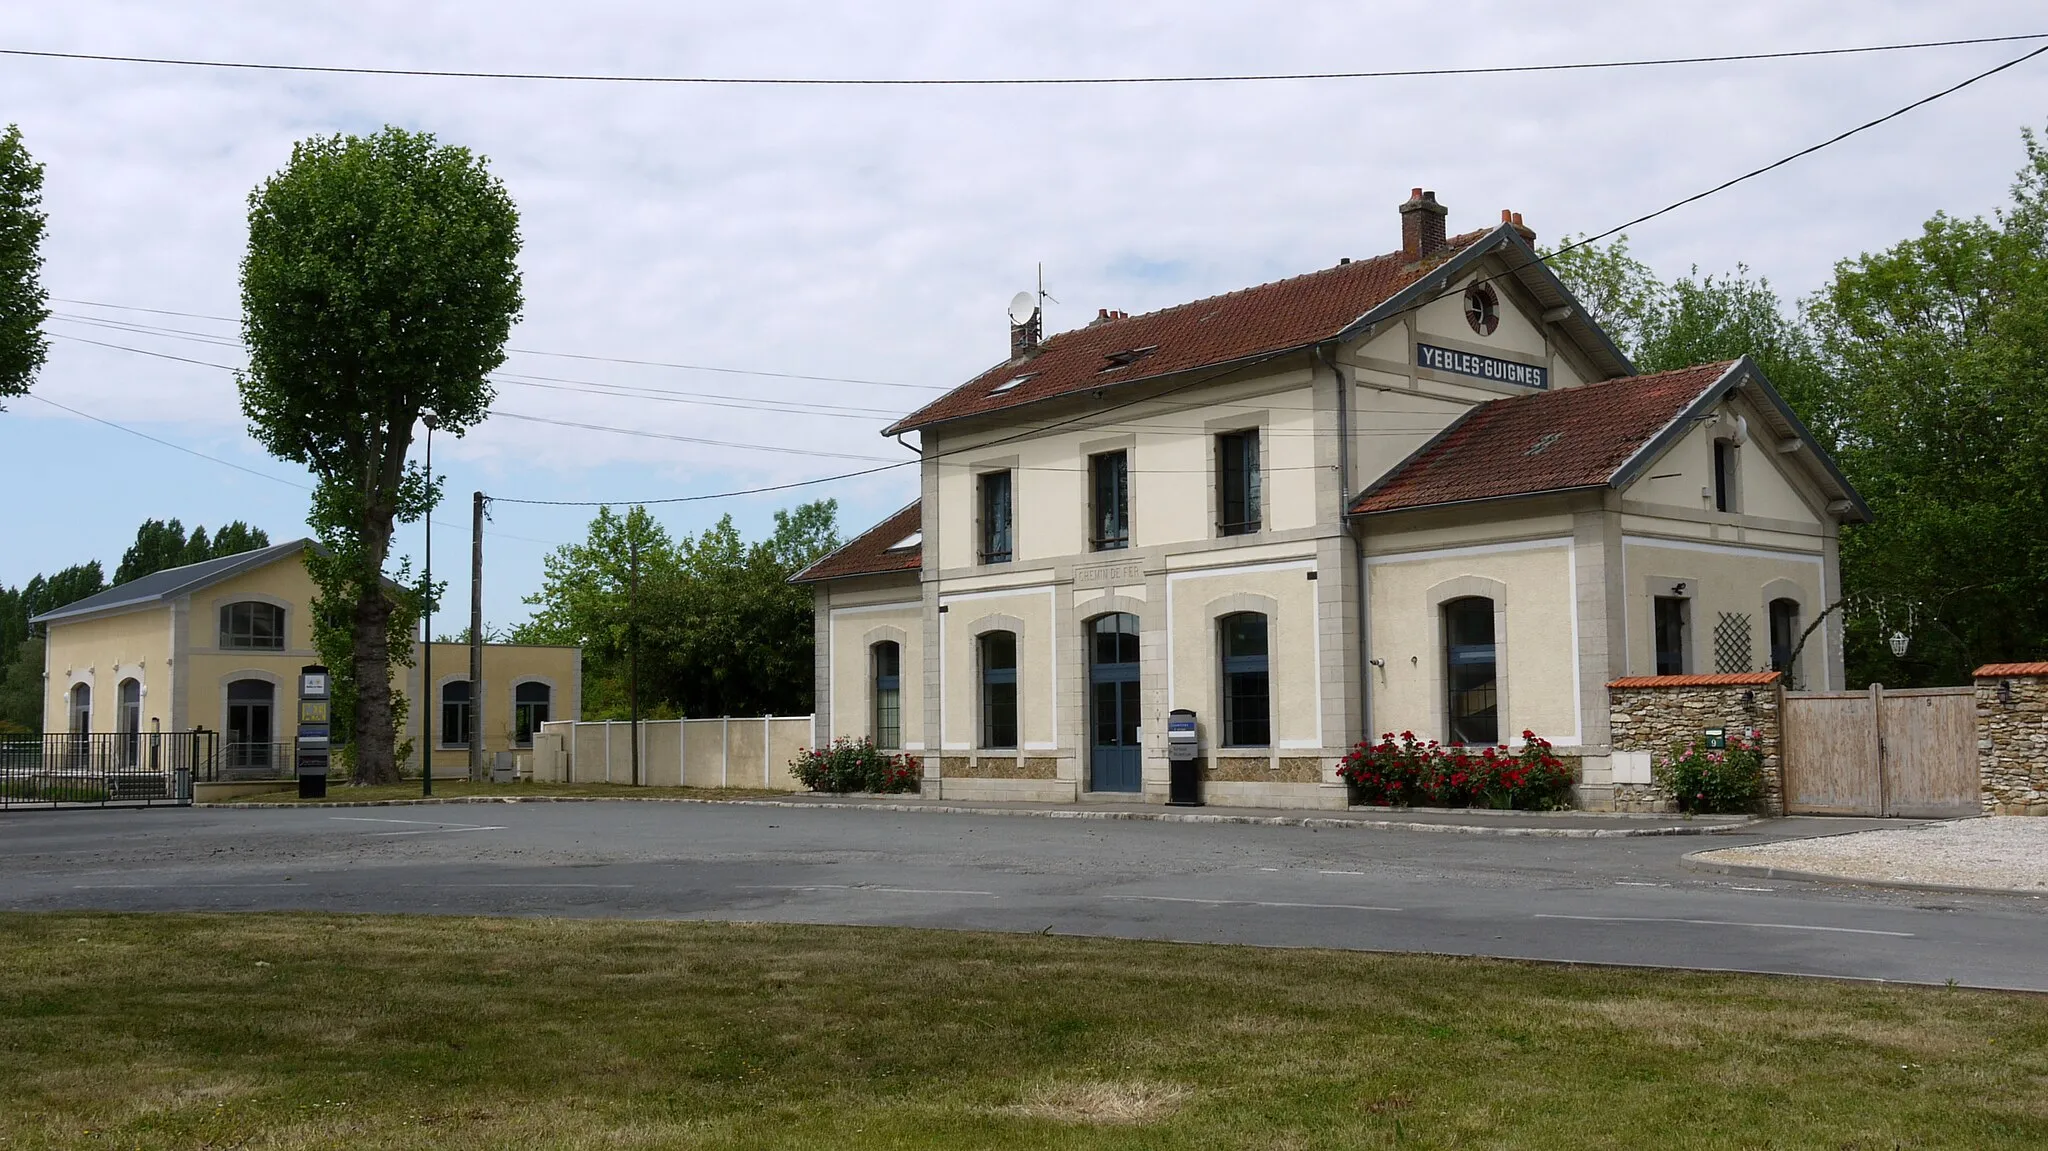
[(879, 233)]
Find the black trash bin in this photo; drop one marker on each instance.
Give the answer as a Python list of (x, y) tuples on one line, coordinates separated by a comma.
[(1184, 763)]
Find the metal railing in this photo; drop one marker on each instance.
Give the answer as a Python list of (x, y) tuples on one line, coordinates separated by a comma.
[(104, 768), (244, 759)]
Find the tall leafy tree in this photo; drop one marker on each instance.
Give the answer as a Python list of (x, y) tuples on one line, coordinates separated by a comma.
[(21, 688), (161, 544), (1940, 344), (722, 631), (381, 280), (24, 304)]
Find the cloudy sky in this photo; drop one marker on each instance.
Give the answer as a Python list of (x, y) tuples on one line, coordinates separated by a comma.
[(876, 234)]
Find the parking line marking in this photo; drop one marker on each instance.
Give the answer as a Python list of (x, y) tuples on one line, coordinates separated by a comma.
[(171, 883), (1727, 923), (1251, 902), (607, 886), (415, 822), (857, 887)]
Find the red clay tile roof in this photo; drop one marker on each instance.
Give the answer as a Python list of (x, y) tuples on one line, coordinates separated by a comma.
[(2001, 670), (1736, 679), (873, 552), (1271, 318), (1549, 441)]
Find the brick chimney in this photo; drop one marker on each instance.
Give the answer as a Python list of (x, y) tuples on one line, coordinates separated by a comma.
[(1515, 219), (1024, 337), (1422, 225)]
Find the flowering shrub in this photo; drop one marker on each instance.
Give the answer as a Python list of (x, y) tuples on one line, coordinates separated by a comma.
[(1704, 781), (1403, 771), (855, 765)]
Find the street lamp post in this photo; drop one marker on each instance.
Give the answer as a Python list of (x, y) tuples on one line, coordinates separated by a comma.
[(427, 630)]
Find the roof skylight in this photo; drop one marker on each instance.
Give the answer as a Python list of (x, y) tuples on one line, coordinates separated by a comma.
[(1012, 382), (914, 539)]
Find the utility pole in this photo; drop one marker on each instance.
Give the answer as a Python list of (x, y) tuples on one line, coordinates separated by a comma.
[(428, 704), (633, 646), (476, 639)]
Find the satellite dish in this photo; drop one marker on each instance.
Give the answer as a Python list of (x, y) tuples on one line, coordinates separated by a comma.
[(1023, 306)]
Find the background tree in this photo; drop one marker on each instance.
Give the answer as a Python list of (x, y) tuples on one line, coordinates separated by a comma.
[(381, 280), (722, 631), (1924, 369), (162, 544), (24, 304)]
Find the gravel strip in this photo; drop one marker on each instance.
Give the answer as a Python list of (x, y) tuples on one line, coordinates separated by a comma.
[(2004, 852)]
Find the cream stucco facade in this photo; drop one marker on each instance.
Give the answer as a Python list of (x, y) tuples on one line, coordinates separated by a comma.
[(172, 653), (1353, 605)]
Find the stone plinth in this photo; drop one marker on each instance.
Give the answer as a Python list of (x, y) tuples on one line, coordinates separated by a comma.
[(2012, 737)]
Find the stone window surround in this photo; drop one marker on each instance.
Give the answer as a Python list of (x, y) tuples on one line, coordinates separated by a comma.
[(1455, 588), (1657, 587), (1213, 612), (1089, 449), (976, 470), (281, 716), (512, 703), (884, 633), (982, 625), (1260, 420), (215, 606)]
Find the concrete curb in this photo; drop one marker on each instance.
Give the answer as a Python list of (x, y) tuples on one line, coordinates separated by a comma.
[(1308, 821), (1698, 861)]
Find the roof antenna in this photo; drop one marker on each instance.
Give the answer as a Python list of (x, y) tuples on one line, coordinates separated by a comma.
[(1043, 295)]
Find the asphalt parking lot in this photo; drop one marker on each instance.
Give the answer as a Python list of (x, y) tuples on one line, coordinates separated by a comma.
[(1622, 901)]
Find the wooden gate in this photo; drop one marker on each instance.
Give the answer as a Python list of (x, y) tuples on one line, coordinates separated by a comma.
[(1877, 752)]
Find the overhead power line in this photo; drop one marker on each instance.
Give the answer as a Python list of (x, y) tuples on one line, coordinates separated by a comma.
[(562, 355), (1012, 81), (1418, 305), (177, 447)]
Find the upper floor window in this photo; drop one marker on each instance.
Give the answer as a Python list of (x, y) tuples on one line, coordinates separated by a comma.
[(887, 657), (531, 703), (1237, 482), (1110, 506), (1471, 672), (455, 713), (999, 689), (1727, 489), (995, 518), (1784, 633), (1247, 688), (252, 625)]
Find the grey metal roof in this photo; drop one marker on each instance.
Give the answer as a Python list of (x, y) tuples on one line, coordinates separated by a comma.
[(157, 587)]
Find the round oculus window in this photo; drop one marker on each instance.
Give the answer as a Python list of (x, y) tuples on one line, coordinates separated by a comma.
[(1482, 309)]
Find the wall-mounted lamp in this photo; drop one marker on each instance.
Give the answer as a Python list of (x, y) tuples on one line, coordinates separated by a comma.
[(2005, 692)]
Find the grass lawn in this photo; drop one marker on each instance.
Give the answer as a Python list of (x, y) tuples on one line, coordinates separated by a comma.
[(449, 788), (300, 1031)]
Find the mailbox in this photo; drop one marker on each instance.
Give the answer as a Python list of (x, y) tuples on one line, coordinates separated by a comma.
[(1184, 759), (313, 749)]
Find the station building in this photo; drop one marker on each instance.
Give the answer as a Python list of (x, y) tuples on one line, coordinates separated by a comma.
[(1422, 491)]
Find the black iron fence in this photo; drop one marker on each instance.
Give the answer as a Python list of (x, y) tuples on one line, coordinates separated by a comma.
[(106, 768)]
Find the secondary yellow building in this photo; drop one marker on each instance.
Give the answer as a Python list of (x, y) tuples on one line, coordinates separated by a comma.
[(1421, 491), (218, 646)]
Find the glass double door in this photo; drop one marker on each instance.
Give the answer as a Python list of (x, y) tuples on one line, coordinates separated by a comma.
[(1115, 755)]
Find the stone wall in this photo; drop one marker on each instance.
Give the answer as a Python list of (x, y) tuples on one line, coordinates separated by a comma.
[(1651, 713), (2012, 737)]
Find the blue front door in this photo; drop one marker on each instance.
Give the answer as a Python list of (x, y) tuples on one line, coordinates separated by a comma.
[(1115, 758)]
